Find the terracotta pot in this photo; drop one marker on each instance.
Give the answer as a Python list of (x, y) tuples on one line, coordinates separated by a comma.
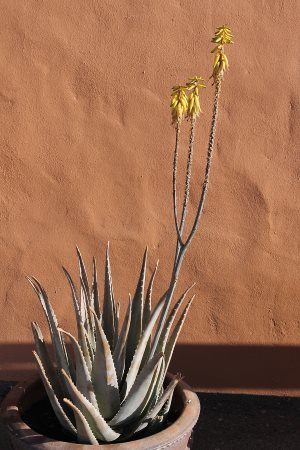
[(22, 437)]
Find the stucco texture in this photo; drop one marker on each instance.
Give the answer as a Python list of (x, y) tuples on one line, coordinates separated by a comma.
[(86, 157)]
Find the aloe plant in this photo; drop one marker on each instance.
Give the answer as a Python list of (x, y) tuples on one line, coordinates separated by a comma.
[(114, 389), (109, 384)]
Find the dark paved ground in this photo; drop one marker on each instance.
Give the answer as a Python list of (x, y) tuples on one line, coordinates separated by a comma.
[(248, 422), (236, 422)]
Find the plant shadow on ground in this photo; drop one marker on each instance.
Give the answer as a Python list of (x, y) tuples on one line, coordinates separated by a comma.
[(227, 421)]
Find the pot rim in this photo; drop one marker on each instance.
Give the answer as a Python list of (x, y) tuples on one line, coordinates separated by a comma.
[(11, 417)]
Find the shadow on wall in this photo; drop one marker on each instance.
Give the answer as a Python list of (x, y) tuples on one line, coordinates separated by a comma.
[(240, 368)]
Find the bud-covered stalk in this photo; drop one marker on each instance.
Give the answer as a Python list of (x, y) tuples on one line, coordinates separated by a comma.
[(222, 36), (179, 103)]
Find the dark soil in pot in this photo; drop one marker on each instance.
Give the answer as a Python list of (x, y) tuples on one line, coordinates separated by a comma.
[(41, 418)]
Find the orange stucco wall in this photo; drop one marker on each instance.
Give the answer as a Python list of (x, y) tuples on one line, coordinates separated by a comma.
[(86, 156)]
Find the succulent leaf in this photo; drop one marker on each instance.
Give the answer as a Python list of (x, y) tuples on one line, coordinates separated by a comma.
[(97, 423), (74, 296), (91, 349), (168, 325), (86, 299), (69, 359), (137, 314), (147, 306), (104, 375), (84, 432), (148, 401), (174, 336), (108, 320), (83, 377), (57, 407), (95, 292), (82, 339), (168, 392), (165, 411), (120, 349), (139, 424), (83, 274), (52, 323), (158, 415), (134, 402), (83, 293), (157, 390), (43, 354), (137, 359), (116, 321)]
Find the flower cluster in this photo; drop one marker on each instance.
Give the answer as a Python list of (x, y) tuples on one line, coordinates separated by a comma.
[(181, 104), (185, 100), (193, 85), (222, 36)]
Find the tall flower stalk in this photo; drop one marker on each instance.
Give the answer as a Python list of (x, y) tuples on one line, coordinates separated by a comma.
[(191, 108)]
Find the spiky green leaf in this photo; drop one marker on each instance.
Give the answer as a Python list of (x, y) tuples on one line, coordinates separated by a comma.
[(84, 432), (94, 418), (57, 407), (116, 322), (120, 349), (59, 350), (108, 319), (82, 338), (85, 300), (104, 375), (83, 274), (137, 359), (174, 336), (134, 402), (135, 330), (168, 392), (83, 377), (148, 300), (157, 389), (168, 325), (138, 424), (43, 354), (95, 291)]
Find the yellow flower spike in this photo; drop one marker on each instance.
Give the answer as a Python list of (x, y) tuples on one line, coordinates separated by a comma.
[(195, 82), (222, 36), (193, 85), (179, 103)]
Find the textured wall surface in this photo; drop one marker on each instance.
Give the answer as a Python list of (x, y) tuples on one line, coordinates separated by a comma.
[(86, 156)]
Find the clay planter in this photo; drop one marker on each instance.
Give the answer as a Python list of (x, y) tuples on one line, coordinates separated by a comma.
[(22, 437)]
